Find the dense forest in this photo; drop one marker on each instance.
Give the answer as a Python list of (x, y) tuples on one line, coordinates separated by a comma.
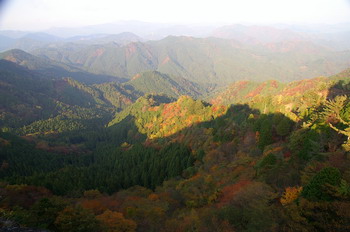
[(181, 134), (276, 161)]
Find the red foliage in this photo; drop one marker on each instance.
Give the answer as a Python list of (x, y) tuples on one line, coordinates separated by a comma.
[(256, 91), (287, 154), (228, 192), (130, 50), (274, 84), (22, 195), (300, 87)]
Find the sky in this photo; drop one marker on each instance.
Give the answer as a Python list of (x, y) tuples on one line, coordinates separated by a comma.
[(44, 14)]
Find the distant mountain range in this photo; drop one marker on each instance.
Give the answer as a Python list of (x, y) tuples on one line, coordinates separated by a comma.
[(204, 60), (333, 36), (32, 41)]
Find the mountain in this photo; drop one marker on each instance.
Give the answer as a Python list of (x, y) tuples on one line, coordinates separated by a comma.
[(157, 117), (28, 41), (5, 42), (147, 30), (52, 68), (275, 163), (109, 59), (158, 83), (202, 134), (28, 97), (32, 102), (122, 38), (256, 34), (13, 34), (209, 60), (42, 37)]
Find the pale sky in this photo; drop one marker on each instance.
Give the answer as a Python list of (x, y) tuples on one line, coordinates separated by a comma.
[(44, 14)]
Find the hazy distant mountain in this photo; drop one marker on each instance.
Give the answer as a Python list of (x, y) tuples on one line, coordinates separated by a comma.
[(337, 41), (27, 41), (109, 59), (144, 29), (122, 38), (6, 42), (13, 34), (207, 60), (139, 28), (333, 36), (52, 68), (42, 37), (256, 34)]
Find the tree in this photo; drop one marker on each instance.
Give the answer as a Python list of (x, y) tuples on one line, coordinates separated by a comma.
[(316, 189), (76, 219), (115, 222), (45, 211), (334, 112), (290, 195), (283, 127)]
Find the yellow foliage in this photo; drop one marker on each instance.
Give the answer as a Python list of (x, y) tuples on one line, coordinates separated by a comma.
[(290, 195)]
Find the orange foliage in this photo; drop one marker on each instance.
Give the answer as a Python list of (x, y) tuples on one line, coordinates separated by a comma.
[(274, 84), (256, 91), (300, 87), (115, 222), (94, 205), (290, 195), (273, 150), (153, 197), (93, 193), (228, 192)]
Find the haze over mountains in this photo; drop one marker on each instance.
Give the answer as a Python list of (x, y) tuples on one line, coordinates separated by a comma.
[(217, 55)]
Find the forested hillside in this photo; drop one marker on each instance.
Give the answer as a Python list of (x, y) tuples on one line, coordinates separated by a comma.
[(181, 116), (259, 156)]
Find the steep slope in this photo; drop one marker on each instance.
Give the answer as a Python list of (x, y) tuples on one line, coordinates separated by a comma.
[(157, 118), (117, 94), (287, 98), (159, 83), (203, 167), (32, 102), (245, 91), (109, 59)]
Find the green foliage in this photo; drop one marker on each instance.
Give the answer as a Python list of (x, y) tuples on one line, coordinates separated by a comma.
[(264, 125), (304, 143), (267, 161), (23, 159), (201, 163), (153, 82), (283, 128), (316, 189), (45, 211)]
